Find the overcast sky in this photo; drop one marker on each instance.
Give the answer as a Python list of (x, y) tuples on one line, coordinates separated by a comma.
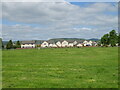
[(46, 20)]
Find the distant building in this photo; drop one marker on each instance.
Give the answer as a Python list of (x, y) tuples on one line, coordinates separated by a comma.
[(79, 45), (59, 44), (51, 44), (28, 44), (64, 43), (71, 43), (45, 44), (87, 43)]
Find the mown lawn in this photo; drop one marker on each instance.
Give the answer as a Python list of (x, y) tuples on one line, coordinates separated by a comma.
[(90, 67)]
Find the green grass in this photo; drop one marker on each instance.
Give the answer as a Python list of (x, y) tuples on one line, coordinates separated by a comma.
[(93, 67)]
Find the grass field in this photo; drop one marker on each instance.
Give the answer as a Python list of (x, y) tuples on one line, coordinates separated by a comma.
[(93, 67)]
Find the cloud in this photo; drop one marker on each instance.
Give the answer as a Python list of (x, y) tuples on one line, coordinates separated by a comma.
[(58, 19), (33, 1)]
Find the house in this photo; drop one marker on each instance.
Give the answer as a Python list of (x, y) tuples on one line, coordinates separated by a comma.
[(71, 43), (90, 43), (54, 45), (38, 43), (117, 44), (79, 45), (64, 43), (87, 43), (51, 43), (44, 44), (75, 43), (28, 44), (94, 43), (59, 44)]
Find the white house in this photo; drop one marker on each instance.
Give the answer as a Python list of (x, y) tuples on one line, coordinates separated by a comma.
[(117, 44), (58, 43), (75, 43), (87, 43), (28, 44), (44, 44), (64, 43), (54, 45), (79, 45), (70, 45), (50, 45), (94, 44)]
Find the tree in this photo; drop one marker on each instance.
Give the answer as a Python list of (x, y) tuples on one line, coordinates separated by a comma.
[(0, 43), (9, 45), (105, 40), (119, 39), (18, 45), (113, 38)]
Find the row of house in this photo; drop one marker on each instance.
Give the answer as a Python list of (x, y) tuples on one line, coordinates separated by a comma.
[(60, 43)]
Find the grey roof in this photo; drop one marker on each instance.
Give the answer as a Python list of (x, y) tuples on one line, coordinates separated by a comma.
[(51, 41), (80, 41), (70, 41), (61, 41), (28, 42), (39, 42)]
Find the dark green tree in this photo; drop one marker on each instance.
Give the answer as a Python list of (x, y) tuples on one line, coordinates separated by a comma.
[(18, 45), (119, 39), (113, 38), (0, 43), (105, 40), (9, 45)]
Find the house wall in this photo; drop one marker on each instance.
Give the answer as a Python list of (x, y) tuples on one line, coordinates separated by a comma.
[(87, 43), (64, 44), (75, 42), (50, 45), (54, 45), (79, 45), (27, 45), (44, 44), (70, 45), (59, 44)]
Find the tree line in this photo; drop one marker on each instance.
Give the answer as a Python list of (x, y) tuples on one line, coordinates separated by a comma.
[(111, 39), (10, 45)]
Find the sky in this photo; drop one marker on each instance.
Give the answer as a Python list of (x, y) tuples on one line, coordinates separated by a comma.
[(46, 20)]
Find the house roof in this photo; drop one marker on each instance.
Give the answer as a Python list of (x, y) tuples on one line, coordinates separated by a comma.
[(61, 41), (28, 42), (39, 41), (51, 41), (80, 41), (70, 41)]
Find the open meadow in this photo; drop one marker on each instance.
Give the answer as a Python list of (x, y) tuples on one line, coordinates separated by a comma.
[(87, 67)]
